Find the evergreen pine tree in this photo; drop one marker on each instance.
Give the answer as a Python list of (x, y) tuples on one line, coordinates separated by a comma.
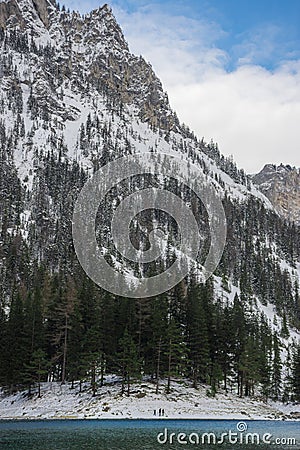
[(129, 361), (37, 369), (276, 369), (296, 374)]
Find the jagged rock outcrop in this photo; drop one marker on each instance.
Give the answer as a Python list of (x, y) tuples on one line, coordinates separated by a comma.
[(42, 8), (9, 11), (90, 47), (24, 13), (281, 184)]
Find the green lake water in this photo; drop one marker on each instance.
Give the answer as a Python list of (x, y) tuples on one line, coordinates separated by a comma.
[(148, 434)]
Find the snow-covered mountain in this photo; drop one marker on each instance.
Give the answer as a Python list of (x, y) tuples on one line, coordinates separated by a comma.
[(59, 68), (281, 184), (73, 97)]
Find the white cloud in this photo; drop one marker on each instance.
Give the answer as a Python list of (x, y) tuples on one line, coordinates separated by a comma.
[(178, 47), (251, 112), (259, 45)]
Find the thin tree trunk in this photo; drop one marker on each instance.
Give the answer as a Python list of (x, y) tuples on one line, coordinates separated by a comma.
[(241, 384), (128, 384), (32, 333), (195, 378), (140, 328), (102, 370), (169, 367), (94, 387), (158, 365), (63, 376), (123, 381), (39, 381)]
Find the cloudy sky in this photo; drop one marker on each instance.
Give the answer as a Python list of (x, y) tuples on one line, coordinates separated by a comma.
[(231, 69)]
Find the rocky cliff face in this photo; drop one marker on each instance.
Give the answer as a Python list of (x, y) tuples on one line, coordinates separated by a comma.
[(22, 13), (281, 184), (89, 49), (10, 10), (72, 98)]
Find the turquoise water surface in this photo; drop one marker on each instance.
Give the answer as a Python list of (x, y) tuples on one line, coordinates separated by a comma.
[(148, 434)]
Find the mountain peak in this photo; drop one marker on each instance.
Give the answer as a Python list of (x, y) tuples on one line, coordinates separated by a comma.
[(281, 184), (106, 8), (102, 11), (88, 48)]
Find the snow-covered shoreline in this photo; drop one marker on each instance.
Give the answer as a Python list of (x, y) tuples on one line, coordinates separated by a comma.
[(184, 402)]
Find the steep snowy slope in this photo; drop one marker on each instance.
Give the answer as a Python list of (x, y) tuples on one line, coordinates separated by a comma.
[(59, 68), (72, 98)]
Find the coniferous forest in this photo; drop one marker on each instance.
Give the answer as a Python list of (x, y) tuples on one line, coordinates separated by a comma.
[(63, 327), (238, 331), (72, 331)]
